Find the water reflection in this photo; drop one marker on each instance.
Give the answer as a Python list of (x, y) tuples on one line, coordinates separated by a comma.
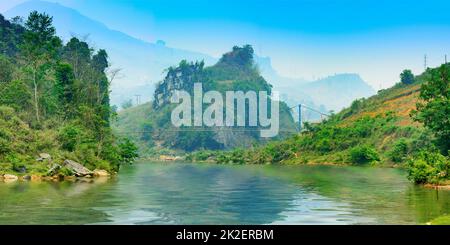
[(210, 194)]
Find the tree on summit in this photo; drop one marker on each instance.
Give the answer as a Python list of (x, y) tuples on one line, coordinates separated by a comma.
[(407, 77)]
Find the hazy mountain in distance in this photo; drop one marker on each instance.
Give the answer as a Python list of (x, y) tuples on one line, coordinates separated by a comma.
[(337, 91), (271, 75), (330, 93), (289, 88), (142, 63)]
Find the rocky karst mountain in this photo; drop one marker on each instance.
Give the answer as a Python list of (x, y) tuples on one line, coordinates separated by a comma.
[(235, 71)]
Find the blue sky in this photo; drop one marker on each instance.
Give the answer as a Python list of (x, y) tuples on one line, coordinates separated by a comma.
[(304, 38)]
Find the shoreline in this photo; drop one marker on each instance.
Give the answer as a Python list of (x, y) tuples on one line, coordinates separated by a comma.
[(38, 178)]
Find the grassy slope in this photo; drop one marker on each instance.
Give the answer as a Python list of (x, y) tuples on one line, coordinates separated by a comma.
[(381, 123), (398, 101), (129, 124), (21, 145)]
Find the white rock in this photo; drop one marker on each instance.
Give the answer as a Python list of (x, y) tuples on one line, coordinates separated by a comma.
[(101, 173), (10, 177)]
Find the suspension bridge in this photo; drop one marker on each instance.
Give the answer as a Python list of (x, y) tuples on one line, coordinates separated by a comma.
[(301, 115), (300, 112)]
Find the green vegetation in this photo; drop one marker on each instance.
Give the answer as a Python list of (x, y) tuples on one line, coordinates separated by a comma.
[(364, 154), (54, 99), (151, 127), (433, 110), (378, 130), (442, 220), (127, 104), (407, 77), (429, 167)]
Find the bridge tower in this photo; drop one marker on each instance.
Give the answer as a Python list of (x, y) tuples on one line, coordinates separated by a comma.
[(300, 124)]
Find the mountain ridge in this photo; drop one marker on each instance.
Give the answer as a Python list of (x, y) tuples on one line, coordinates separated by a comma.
[(235, 71)]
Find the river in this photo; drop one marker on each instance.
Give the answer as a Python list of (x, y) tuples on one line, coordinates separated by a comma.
[(155, 193)]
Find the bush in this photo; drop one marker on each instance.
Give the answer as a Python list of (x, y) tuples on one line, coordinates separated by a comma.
[(428, 167), (364, 154), (68, 136), (18, 162), (65, 172), (399, 151), (16, 94), (128, 151), (6, 69), (200, 156), (4, 146)]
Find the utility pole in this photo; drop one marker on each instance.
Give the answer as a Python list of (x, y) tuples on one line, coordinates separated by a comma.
[(425, 62), (138, 99), (445, 59), (300, 124)]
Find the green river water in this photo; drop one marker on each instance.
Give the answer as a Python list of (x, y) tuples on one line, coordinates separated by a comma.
[(154, 193)]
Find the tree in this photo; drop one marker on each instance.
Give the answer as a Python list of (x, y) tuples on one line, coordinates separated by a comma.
[(433, 110), (100, 60), (78, 54), (10, 36), (407, 77), (241, 56), (127, 104), (65, 80), (6, 69), (40, 47), (100, 63)]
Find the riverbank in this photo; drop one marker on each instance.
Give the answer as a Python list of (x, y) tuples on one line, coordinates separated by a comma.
[(67, 170), (9, 178)]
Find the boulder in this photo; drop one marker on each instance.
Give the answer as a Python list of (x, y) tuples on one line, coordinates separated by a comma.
[(54, 169), (36, 178), (10, 177), (78, 169), (101, 173), (167, 158), (44, 156), (26, 178), (20, 169)]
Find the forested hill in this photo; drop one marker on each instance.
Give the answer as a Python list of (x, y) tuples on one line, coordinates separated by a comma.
[(235, 71), (394, 127), (54, 102)]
